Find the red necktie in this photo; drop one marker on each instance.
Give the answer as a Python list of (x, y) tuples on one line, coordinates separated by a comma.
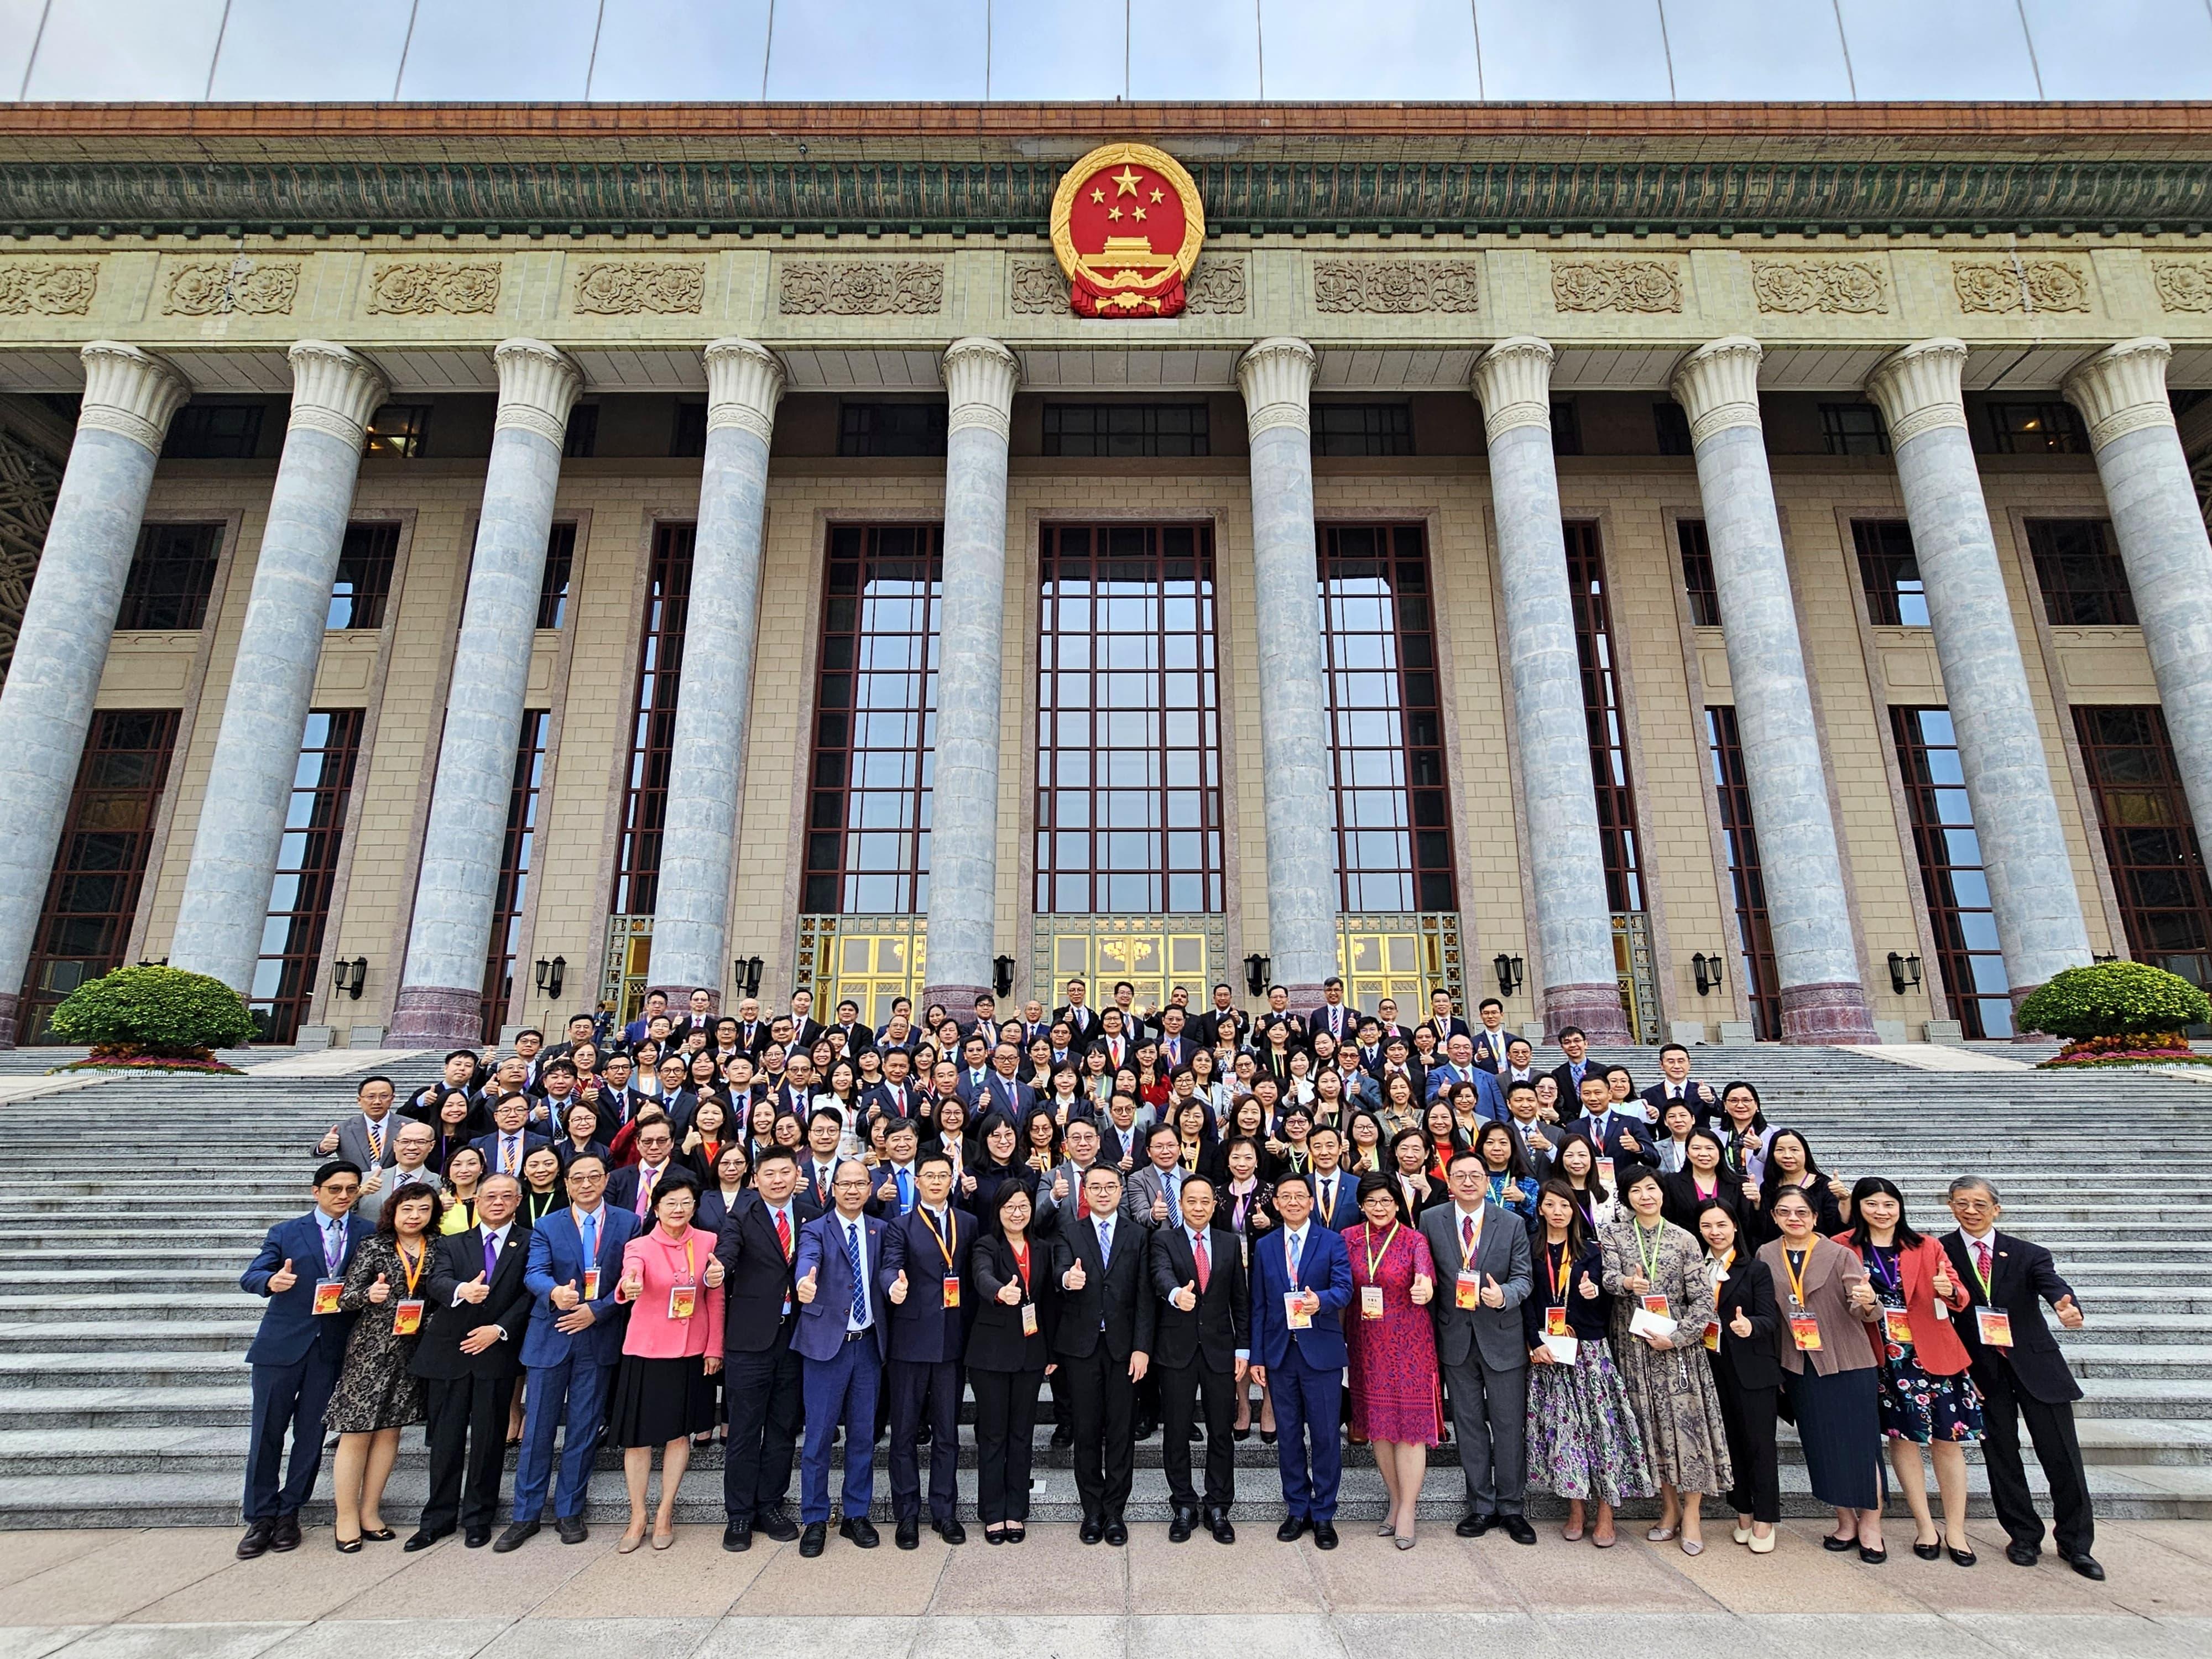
[(783, 1233), (1205, 1261), (1982, 1256)]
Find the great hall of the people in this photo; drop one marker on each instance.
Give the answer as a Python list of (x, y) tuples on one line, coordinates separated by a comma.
[(1724, 572)]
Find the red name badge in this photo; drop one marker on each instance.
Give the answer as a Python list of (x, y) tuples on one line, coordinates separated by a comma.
[(1713, 1335), (1896, 1325), (1466, 1291), (327, 1295), (1805, 1332), (683, 1300), (951, 1291), (406, 1317), (1605, 1171), (1028, 1319), (1994, 1327), (1656, 1304), (1555, 1321), (591, 1284)]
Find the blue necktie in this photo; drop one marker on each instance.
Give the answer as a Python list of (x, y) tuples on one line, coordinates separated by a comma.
[(1105, 1242), (1293, 1240), (591, 1240), (859, 1275), (905, 1192)]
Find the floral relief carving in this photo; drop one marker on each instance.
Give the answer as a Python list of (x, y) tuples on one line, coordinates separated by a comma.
[(1850, 287), (2002, 286), (625, 288), (1216, 288), (1639, 285), (213, 288), (860, 288), (1036, 288), (47, 288), (1397, 286), (2182, 284), (427, 288)]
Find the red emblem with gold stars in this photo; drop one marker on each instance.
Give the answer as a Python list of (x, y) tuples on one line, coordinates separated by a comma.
[(1126, 224)]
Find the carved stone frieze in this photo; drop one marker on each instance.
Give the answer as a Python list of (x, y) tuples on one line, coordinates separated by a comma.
[(860, 288), (47, 288), (1218, 288), (1637, 285), (1397, 286), (1836, 286), (2004, 286), (216, 287), (429, 288), (2182, 284), (1035, 287), (625, 288)]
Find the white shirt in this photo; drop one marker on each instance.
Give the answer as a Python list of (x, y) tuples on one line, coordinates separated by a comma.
[(856, 1236), (1294, 1241)]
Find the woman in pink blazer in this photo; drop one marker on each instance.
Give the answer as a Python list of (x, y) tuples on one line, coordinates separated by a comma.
[(673, 1286), (1927, 1397)]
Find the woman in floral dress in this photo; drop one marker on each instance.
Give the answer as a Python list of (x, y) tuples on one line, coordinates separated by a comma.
[(377, 1393), (1397, 1393), (1651, 1264)]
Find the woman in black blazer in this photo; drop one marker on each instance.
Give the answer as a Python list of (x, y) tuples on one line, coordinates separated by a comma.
[(1407, 1167), (1747, 1371), (1008, 1349), (1701, 1181)]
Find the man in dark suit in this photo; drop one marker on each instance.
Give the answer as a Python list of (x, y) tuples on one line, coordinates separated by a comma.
[(762, 1378), (1104, 1346), (2024, 1376), (1621, 1136), (1301, 1284), (1202, 1345), (569, 1351), (508, 1142), (699, 1016), (1335, 1016), (1133, 1025), (1539, 1141), (656, 1004), (1491, 1037), (461, 1073), (1121, 1136), (1081, 1018), (806, 1029), (631, 1189), (1336, 1194), (842, 1340), (859, 1034), (471, 1355), (297, 1353), (752, 1029), (925, 1263), (1675, 1083), (1446, 1025), (1206, 1028), (818, 1164), (1569, 1073), (582, 1028), (897, 1095), (1003, 1090)]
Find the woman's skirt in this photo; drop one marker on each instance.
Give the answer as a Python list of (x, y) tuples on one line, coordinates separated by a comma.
[(1840, 1426), (1584, 1439), (657, 1401)]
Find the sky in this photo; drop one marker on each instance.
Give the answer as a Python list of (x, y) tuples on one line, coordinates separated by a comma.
[(1098, 49)]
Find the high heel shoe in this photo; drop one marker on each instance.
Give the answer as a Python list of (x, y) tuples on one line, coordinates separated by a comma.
[(1385, 1529), (630, 1541), (662, 1540), (1693, 1546), (1267, 1437)]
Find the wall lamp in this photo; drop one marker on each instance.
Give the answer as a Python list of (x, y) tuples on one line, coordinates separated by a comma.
[(1002, 974), (549, 975), (1903, 972), (349, 977), (1509, 970), (1256, 970), (1708, 971), (745, 974)]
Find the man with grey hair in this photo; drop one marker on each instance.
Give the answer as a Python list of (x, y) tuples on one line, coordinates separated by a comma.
[(2017, 1365), (411, 1143)]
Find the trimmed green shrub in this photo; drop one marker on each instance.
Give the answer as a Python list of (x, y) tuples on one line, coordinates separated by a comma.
[(2113, 999), (154, 1011)]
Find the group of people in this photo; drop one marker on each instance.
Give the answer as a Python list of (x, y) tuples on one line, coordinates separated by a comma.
[(802, 1239)]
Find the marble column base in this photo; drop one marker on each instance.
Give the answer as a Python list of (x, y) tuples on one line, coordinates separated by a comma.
[(1834, 1013), (959, 1000), (1304, 998), (1595, 1008), (425, 1016), (9, 1004), (679, 996), (2021, 994)]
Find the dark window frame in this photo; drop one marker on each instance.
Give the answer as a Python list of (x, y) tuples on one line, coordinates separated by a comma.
[(1758, 974), (1619, 834), (1699, 584), (1566, 426), (2151, 843), (553, 587), (652, 731), (2084, 585), (401, 431), (307, 862), (875, 429), (579, 440), (2034, 426), (518, 849), (1363, 428), (1967, 950), (214, 432), (1894, 598), (687, 438), (1670, 428), (1853, 429), (1174, 429), (171, 579), (360, 587)]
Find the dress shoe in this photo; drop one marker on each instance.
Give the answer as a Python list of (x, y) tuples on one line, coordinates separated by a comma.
[(423, 1540), (2086, 1564), (514, 1537), (1180, 1528), (776, 1525), (908, 1534), (1063, 1435), (1197, 1434), (1293, 1526), (1092, 1532), (737, 1539), (923, 1435), (862, 1532), (256, 1541), (950, 1531), (1518, 1529), (2021, 1555), (381, 1535), (1117, 1532), (476, 1537), (1145, 1429), (286, 1533), (571, 1529), (1473, 1526), (810, 1540), (1324, 1535), (346, 1546), (1223, 1532)]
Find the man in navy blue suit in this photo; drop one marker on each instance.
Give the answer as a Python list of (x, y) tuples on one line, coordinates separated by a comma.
[(841, 1342), (1459, 1066), (570, 1351), (925, 1265), (295, 1354), (1301, 1284), (509, 1143)]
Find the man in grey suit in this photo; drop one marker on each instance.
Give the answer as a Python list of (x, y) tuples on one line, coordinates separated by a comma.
[(1482, 1261), (365, 1138), (1154, 1198), (411, 1145)]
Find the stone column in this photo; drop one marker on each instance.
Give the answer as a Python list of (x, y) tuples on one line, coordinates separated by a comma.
[(2030, 876), (1816, 957), (45, 707), (264, 710), (1275, 377), (1574, 920), (443, 982), (2122, 394), (980, 376), (713, 705)]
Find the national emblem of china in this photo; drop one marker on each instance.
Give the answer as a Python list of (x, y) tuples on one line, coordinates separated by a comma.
[(1126, 224)]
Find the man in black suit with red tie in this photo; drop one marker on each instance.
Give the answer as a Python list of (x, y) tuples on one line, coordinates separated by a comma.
[(761, 1378), (921, 1278), (2018, 1366), (1203, 1341), (1335, 1016), (1104, 1346)]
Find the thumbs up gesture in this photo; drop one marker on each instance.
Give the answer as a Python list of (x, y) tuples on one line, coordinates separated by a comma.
[(898, 1288), (1186, 1297), (475, 1291), (283, 1278), (1160, 1206), (380, 1291), (808, 1286), (633, 1283), (1059, 1189), (1588, 1289), (2070, 1316), (1741, 1324), (1493, 1294), (1009, 1293), (1424, 1289), (889, 1191), (1075, 1279), (1943, 1284), (329, 1143), (564, 1296)]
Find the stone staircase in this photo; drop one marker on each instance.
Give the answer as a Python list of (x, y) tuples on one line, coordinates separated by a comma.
[(123, 1390)]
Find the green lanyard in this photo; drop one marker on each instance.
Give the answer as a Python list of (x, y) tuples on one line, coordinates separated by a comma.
[(1650, 1257)]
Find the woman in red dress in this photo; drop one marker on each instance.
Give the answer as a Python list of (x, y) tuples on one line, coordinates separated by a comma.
[(1397, 1398)]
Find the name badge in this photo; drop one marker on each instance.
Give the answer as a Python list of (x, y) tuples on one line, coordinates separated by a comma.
[(1995, 1329), (1898, 1327), (1371, 1302), (406, 1317), (1028, 1319), (1656, 1304), (1805, 1332), (1294, 1311), (591, 1284), (1713, 1336), (1466, 1289), (1555, 1322), (1605, 1171), (951, 1291), (683, 1300), (327, 1295)]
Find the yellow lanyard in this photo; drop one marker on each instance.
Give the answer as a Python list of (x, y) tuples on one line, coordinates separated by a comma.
[(943, 1248), (412, 1269), (1796, 1275), (1373, 1258), (1650, 1257)]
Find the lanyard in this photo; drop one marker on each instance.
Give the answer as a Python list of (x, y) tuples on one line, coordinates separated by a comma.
[(411, 1267), (1373, 1257), (1021, 1255), (1469, 1247), (1649, 1256), (1889, 1274), (1557, 1266), (951, 1228), (1975, 1263), (1797, 1270)]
